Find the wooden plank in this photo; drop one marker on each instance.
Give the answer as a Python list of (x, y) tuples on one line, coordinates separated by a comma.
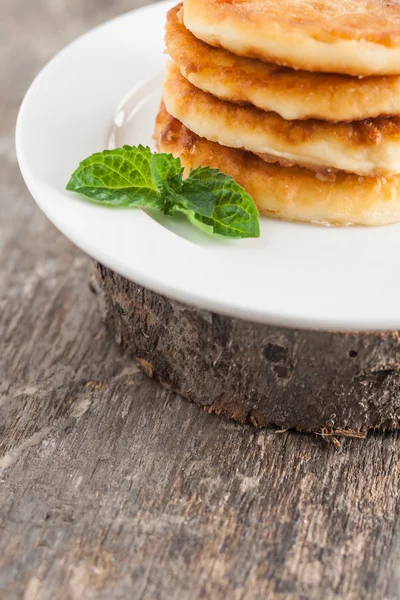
[(112, 488)]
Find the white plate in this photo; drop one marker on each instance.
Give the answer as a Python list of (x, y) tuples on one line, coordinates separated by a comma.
[(297, 275)]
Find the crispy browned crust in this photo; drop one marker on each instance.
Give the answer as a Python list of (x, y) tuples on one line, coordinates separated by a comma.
[(371, 140), (375, 21), (292, 94), (326, 172), (356, 37), (292, 193)]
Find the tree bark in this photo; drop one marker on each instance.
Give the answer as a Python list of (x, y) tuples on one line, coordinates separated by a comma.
[(314, 381)]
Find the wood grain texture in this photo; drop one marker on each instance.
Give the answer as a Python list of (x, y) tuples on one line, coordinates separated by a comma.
[(315, 381), (112, 488)]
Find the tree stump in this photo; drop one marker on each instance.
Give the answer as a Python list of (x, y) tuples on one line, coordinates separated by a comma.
[(313, 381)]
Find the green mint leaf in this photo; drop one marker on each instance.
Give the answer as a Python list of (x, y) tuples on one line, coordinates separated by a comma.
[(234, 212), (197, 199), (121, 177), (166, 168), (135, 177)]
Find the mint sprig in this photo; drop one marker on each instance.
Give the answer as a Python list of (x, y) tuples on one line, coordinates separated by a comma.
[(134, 177)]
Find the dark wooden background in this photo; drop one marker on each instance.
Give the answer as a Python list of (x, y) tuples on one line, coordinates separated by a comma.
[(112, 488)]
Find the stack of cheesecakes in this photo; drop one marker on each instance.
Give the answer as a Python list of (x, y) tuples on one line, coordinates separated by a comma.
[(298, 100)]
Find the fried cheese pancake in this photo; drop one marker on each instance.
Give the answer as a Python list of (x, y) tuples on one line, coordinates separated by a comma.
[(292, 94), (287, 193), (355, 37), (370, 147)]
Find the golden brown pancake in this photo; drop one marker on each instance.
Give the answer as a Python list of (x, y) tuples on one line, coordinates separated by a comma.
[(287, 193), (370, 147), (355, 37), (291, 94)]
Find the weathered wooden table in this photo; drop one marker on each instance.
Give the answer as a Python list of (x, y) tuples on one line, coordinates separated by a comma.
[(112, 488)]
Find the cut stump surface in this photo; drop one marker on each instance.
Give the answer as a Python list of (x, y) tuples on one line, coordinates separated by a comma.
[(313, 381)]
